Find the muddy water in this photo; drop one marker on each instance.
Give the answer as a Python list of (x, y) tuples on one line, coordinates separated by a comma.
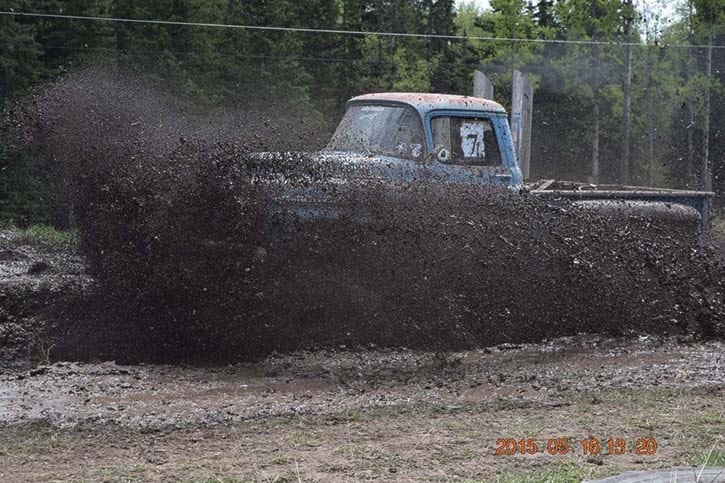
[(159, 397)]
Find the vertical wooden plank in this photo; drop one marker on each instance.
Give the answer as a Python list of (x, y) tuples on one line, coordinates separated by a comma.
[(482, 86), (522, 106)]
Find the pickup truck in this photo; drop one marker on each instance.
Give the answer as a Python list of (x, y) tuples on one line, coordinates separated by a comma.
[(461, 139)]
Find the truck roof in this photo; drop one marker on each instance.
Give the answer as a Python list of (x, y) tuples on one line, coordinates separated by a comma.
[(425, 103)]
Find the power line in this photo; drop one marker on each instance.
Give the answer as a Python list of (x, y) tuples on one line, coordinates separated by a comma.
[(339, 32), (339, 60), (240, 56)]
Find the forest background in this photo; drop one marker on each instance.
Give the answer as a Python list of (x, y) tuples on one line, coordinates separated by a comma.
[(622, 94)]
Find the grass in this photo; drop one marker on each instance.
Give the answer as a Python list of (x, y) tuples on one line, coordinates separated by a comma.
[(223, 479), (47, 236), (44, 350), (712, 458), (562, 473), (411, 442)]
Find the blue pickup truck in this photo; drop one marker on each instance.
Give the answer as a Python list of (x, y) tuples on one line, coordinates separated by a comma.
[(449, 139), (461, 139)]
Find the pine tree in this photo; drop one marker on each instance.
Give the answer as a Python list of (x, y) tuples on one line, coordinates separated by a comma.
[(544, 14), (20, 55), (584, 68)]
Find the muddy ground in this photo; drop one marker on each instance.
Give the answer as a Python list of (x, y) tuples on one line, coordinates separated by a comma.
[(342, 414), (386, 415)]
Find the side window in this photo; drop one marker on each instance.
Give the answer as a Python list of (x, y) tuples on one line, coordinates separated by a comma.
[(470, 140)]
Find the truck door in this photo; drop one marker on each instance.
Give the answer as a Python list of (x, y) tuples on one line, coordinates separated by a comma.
[(471, 143)]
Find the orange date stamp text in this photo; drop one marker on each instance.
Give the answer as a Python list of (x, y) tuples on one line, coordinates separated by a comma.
[(587, 446)]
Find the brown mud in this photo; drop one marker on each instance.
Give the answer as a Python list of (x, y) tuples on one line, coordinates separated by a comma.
[(198, 251), (338, 415), (324, 382)]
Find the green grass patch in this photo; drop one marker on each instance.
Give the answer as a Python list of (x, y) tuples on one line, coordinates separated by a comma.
[(711, 458), (562, 473), (48, 237)]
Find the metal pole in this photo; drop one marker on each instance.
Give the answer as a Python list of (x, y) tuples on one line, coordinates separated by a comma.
[(624, 167), (705, 173)]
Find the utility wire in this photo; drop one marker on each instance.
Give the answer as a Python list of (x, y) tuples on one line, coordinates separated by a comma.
[(326, 60), (248, 56), (332, 31), (177, 52)]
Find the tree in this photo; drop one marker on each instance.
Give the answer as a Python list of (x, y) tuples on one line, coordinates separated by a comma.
[(628, 17), (544, 15), (20, 55), (710, 24), (597, 21)]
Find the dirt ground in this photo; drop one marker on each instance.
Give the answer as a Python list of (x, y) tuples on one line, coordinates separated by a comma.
[(388, 415), (346, 415)]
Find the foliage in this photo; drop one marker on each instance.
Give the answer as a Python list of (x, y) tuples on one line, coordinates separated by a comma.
[(20, 54), (47, 237), (318, 72), (711, 458)]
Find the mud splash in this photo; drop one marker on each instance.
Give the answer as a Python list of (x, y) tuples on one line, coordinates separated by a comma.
[(204, 250)]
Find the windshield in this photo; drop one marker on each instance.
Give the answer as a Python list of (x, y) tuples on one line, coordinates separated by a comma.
[(378, 129)]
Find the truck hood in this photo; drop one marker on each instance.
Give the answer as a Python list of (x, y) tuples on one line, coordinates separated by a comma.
[(337, 166)]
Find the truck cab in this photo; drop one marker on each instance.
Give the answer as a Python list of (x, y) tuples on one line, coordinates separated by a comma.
[(452, 138), (449, 139)]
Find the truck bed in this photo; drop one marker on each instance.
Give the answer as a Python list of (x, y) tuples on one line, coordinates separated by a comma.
[(657, 203)]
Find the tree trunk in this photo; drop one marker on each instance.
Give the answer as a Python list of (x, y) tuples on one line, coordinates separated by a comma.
[(595, 144), (650, 130), (624, 169), (429, 26), (705, 173), (4, 74), (595, 115), (690, 181)]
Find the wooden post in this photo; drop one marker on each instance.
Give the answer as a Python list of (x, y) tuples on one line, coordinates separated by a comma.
[(482, 86), (522, 105), (650, 129)]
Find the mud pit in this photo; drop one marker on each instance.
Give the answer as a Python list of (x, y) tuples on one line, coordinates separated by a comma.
[(171, 397), (390, 415)]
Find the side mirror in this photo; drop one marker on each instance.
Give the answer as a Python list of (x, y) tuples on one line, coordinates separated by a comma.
[(443, 155), (440, 153)]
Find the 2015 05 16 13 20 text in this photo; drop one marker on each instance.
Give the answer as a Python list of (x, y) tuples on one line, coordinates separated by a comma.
[(587, 446)]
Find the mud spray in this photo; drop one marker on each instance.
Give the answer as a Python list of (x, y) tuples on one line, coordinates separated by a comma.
[(195, 255)]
